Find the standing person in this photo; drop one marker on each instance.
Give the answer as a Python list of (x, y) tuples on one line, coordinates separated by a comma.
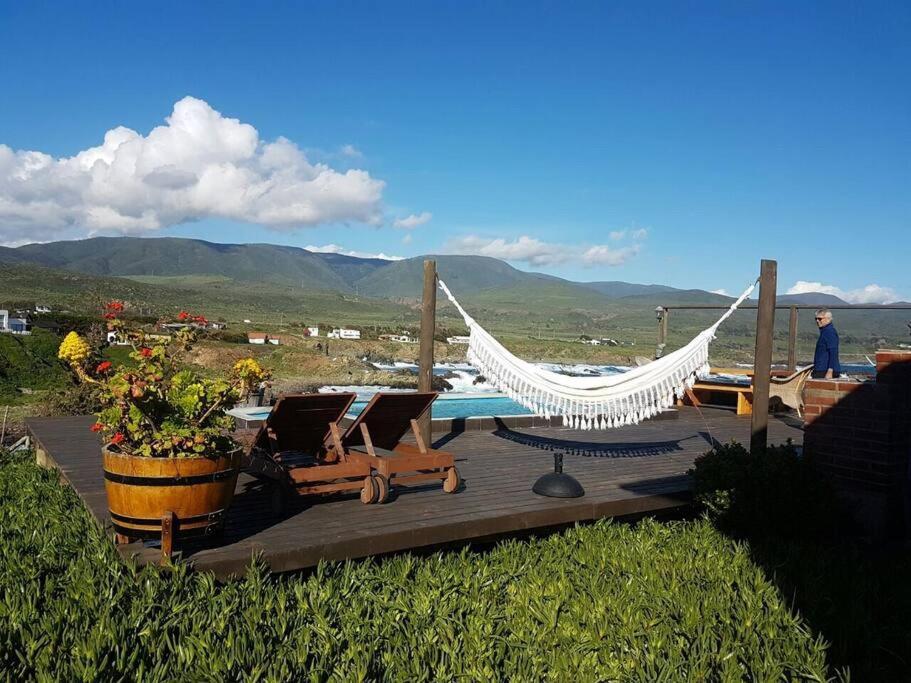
[(825, 360)]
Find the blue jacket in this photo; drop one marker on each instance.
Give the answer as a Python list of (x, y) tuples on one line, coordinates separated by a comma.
[(826, 355)]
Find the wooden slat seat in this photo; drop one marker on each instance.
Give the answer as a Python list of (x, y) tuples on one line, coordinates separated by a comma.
[(291, 448), (375, 437)]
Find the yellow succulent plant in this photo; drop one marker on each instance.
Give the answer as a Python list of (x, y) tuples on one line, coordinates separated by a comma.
[(74, 349)]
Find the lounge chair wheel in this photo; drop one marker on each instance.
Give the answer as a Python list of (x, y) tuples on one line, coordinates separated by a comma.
[(453, 480), (382, 485), (371, 491)]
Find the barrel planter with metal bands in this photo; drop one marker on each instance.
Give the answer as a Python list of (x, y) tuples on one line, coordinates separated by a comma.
[(142, 490)]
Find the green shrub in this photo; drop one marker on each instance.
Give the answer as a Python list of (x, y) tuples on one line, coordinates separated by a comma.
[(651, 602), (773, 493)]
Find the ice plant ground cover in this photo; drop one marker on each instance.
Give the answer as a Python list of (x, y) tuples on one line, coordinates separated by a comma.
[(654, 601)]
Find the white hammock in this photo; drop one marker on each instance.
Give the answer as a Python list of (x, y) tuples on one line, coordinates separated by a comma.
[(591, 402)]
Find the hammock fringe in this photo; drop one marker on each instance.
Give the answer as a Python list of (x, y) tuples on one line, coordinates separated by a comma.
[(592, 402)]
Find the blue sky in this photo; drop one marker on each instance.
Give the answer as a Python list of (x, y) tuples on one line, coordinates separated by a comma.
[(651, 142)]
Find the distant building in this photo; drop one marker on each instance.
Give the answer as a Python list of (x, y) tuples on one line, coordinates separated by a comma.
[(342, 333), (403, 338), (14, 325), (457, 340), (313, 331), (263, 338), (217, 326), (115, 339), (42, 309)]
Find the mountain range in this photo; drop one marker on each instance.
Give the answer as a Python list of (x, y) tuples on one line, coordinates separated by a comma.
[(174, 260)]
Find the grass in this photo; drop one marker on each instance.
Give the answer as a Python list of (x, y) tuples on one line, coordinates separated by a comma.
[(651, 602)]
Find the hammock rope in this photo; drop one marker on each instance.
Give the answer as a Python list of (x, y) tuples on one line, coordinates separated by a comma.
[(592, 402)]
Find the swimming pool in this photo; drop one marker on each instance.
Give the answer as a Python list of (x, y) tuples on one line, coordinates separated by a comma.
[(446, 406)]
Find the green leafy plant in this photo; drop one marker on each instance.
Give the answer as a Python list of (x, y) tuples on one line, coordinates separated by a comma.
[(159, 407), (772, 493), (603, 602)]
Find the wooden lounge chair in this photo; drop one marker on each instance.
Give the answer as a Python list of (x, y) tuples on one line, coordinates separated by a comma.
[(293, 449), (375, 439)]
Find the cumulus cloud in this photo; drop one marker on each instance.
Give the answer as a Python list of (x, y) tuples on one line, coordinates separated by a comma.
[(200, 164), (413, 221), (870, 294), (337, 249), (602, 255), (351, 151), (536, 252)]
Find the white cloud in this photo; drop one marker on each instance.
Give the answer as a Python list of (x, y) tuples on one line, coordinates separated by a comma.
[(199, 165), (639, 234), (602, 255), (337, 249), (413, 221), (538, 253), (722, 292), (869, 294), (617, 234), (351, 151), (407, 238)]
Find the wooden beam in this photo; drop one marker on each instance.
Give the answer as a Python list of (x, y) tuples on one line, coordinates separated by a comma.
[(762, 358), (792, 340), (428, 326), (662, 331)]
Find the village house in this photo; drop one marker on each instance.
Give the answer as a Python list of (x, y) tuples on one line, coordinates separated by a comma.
[(14, 325), (457, 340), (263, 338), (343, 333)]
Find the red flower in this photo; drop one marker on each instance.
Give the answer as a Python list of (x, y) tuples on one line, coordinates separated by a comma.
[(183, 315), (97, 427), (117, 438), (200, 319), (103, 366), (109, 316), (115, 306), (145, 351)]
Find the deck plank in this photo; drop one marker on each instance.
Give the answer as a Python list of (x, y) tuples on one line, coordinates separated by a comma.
[(628, 471)]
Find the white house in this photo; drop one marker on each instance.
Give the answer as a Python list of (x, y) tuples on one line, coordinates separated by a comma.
[(342, 333), (404, 338), (457, 340), (42, 309), (263, 338), (313, 331), (14, 325)]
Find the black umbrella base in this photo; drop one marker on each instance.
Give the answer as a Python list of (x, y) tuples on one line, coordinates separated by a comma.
[(558, 485)]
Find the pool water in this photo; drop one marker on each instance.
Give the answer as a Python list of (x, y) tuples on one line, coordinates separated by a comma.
[(447, 406), (469, 406)]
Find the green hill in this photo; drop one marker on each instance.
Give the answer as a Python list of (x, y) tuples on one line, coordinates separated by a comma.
[(170, 256)]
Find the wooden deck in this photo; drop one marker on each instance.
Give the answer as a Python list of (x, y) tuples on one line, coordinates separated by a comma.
[(628, 471)]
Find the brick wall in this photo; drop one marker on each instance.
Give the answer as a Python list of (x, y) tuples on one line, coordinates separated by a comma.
[(859, 434)]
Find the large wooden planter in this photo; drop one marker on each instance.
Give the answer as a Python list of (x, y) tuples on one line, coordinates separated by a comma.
[(168, 498)]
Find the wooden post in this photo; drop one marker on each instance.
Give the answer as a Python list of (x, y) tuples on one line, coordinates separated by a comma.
[(428, 326), (792, 340), (168, 524), (662, 330), (762, 357)]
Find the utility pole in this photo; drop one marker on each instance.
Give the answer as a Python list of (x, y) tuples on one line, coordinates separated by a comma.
[(425, 353), (762, 358)]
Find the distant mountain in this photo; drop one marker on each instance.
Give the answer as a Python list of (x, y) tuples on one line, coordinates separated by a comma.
[(811, 299), (170, 257), (190, 262), (616, 289)]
